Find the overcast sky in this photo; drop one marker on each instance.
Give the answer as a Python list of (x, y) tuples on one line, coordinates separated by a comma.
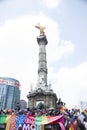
[(66, 31)]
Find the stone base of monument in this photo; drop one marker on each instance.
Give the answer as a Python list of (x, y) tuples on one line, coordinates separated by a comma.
[(48, 98)]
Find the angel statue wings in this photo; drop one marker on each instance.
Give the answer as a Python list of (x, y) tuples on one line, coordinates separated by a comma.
[(41, 28)]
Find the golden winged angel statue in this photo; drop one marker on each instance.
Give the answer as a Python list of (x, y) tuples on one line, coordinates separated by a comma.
[(41, 28)]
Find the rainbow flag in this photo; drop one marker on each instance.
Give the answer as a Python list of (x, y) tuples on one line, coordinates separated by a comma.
[(72, 123), (71, 127), (84, 113), (14, 122)]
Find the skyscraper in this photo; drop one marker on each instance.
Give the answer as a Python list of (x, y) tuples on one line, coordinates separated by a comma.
[(9, 93)]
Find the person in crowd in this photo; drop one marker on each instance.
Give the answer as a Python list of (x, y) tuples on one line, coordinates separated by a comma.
[(85, 123)]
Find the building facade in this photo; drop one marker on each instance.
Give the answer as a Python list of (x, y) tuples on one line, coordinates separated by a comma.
[(9, 93), (83, 105)]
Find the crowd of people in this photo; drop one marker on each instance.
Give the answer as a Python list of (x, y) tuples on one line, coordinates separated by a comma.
[(73, 119)]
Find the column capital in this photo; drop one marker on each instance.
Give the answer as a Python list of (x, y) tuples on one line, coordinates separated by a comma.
[(41, 38)]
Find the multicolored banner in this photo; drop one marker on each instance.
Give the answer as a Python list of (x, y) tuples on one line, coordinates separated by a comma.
[(25, 122), (85, 113)]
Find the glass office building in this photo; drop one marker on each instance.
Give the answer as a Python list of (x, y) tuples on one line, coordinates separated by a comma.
[(9, 93), (83, 105)]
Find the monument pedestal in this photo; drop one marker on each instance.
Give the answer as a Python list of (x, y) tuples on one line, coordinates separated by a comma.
[(48, 98)]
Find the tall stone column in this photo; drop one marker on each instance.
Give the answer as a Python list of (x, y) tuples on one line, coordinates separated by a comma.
[(42, 63)]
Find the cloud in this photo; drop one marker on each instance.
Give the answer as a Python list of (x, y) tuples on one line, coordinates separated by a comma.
[(71, 84), (51, 3), (60, 49), (2, 0), (19, 48)]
